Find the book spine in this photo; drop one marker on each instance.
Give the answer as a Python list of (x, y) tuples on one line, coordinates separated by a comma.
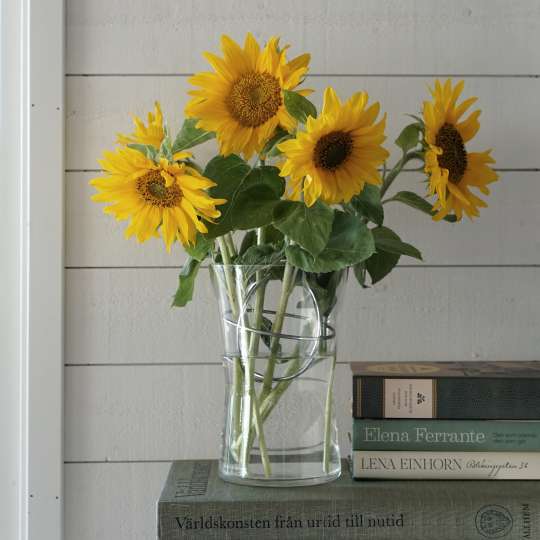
[(447, 435), (441, 516), (465, 398), (446, 465)]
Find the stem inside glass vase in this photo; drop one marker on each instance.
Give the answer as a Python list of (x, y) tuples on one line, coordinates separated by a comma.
[(279, 360)]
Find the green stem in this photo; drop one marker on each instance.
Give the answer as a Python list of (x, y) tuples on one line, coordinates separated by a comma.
[(267, 406), (259, 299), (252, 413), (394, 172), (229, 278), (262, 441), (252, 409), (237, 397), (328, 417), (288, 281), (238, 374), (271, 400), (230, 246)]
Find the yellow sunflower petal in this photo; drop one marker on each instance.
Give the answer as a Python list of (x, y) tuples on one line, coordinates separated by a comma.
[(469, 127), (242, 102), (155, 197), (152, 134), (331, 102), (451, 170), (339, 152)]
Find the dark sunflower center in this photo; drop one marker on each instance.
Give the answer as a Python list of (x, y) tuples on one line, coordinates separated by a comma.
[(454, 155), (332, 150), (153, 190), (254, 98)]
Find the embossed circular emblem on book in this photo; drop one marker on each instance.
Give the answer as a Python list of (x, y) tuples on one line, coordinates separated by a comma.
[(494, 521)]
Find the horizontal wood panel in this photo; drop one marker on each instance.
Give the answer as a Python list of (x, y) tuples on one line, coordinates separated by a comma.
[(105, 501), (421, 36), (505, 233), (99, 107), (157, 412), (118, 316), (144, 412)]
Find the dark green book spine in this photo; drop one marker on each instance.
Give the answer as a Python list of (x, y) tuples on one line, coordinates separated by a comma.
[(447, 435), (450, 398)]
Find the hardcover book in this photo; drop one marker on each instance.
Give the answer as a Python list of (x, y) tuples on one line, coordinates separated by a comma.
[(196, 503), (446, 465), (447, 435), (447, 390)]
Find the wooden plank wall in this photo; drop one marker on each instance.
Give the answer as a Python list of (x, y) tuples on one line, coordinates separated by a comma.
[(143, 383)]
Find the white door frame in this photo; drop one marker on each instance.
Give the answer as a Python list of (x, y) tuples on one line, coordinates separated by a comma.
[(31, 268)]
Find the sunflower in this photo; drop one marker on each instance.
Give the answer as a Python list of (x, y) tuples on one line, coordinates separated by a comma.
[(242, 102), (152, 134), (451, 169), (165, 198), (338, 153)]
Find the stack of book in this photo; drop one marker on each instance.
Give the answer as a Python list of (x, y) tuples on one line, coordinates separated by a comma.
[(454, 420)]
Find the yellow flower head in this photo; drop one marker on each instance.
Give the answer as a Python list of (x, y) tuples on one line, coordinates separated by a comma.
[(242, 100), (166, 199), (338, 153), (452, 170), (152, 134)]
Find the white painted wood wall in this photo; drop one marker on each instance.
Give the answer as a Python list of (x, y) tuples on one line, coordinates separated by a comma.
[(143, 383)]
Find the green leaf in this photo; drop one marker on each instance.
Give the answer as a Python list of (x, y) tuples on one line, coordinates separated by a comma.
[(409, 137), (250, 239), (308, 226), (324, 287), (147, 149), (166, 148), (271, 147), (190, 136), (227, 169), (268, 176), (360, 273), (186, 283), (368, 204), (254, 206), (264, 254), (298, 106), (273, 235), (380, 264), (266, 326), (388, 241), (201, 248), (251, 194), (419, 203), (350, 242)]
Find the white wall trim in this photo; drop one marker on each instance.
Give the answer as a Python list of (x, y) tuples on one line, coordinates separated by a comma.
[(33, 133), (10, 459)]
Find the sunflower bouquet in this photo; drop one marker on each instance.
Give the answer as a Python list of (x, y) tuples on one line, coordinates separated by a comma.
[(290, 188)]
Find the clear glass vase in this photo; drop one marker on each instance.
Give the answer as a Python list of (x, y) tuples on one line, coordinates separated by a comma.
[(280, 357)]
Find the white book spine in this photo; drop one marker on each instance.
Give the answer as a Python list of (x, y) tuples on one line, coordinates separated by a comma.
[(446, 465)]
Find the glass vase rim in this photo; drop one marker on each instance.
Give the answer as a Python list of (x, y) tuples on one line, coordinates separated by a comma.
[(271, 265), (233, 265)]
